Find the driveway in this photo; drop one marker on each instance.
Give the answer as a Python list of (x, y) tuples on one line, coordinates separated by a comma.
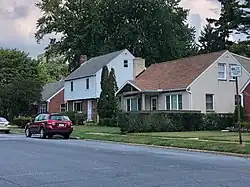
[(32, 162)]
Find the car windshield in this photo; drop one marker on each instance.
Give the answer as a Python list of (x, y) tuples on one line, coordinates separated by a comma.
[(60, 118), (3, 120)]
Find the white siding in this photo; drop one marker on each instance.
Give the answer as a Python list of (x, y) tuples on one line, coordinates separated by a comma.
[(223, 90), (122, 73), (79, 89)]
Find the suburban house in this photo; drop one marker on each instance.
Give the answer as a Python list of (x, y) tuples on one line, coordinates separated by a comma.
[(82, 87), (52, 98), (200, 82)]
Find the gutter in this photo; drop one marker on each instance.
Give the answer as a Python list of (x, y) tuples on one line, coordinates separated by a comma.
[(161, 90), (82, 77)]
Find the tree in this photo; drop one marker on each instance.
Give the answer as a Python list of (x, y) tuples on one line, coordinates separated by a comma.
[(103, 101), (19, 83), (112, 107), (228, 22), (244, 26), (52, 69), (154, 29), (209, 40), (241, 48)]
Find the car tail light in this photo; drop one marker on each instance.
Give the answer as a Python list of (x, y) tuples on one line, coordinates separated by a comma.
[(51, 123)]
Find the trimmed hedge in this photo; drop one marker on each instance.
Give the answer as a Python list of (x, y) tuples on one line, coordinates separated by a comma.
[(76, 118), (21, 121), (133, 122)]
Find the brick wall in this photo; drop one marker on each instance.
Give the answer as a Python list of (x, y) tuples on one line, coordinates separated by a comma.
[(55, 102), (246, 101)]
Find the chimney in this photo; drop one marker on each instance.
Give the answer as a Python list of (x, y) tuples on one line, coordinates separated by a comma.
[(138, 66), (83, 58)]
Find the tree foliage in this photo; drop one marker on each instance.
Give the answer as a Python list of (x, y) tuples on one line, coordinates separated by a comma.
[(154, 29), (241, 48), (52, 69), (19, 82), (107, 105)]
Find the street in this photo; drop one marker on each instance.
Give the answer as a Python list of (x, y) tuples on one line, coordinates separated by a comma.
[(33, 162)]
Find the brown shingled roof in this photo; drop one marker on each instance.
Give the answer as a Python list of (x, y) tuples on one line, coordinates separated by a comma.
[(176, 74)]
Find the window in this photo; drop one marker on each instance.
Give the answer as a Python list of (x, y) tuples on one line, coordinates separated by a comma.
[(63, 108), (125, 63), (37, 118), (59, 117), (209, 102), (231, 78), (154, 103), (174, 102), (43, 108), (222, 71), (133, 104), (78, 106), (71, 86), (235, 99), (87, 83)]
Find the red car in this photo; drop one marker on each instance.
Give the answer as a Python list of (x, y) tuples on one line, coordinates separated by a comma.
[(48, 125)]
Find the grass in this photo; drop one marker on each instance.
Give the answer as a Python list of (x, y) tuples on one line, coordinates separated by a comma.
[(207, 140)]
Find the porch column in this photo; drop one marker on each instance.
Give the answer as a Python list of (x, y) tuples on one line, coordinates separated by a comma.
[(143, 107)]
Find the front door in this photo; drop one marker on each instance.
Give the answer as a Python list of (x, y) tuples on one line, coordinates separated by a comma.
[(154, 103), (90, 106)]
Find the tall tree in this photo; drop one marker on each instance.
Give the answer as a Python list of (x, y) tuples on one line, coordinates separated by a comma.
[(209, 40), (154, 29), (112, 107), (244, 26), (228, 21), (103, 100), (19, 82), (52, 68)]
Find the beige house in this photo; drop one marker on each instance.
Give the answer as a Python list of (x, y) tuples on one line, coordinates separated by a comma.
[(200, 82)]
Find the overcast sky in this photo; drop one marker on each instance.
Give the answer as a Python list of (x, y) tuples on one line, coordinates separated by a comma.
[(18, 22)]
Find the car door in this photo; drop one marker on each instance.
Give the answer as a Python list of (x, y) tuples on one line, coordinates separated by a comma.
[(35, 124)]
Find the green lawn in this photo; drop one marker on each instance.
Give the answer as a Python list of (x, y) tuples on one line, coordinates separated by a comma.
[(205, 140)]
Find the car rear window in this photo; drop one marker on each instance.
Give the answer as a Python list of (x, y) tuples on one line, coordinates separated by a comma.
[(59, 118)]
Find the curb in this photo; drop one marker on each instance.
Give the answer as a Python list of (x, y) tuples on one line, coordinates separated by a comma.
[(247, 156)]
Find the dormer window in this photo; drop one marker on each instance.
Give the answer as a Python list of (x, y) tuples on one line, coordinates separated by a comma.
[(125, 63)]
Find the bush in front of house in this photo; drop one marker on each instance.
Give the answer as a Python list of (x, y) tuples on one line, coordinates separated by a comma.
[(242, 114), (21, 121), (161, 121), (76, 118)]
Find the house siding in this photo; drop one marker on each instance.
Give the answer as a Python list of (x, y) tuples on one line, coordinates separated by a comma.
[(246, 101), (224, 91), (79, 89), (122, 73), (55, 102)]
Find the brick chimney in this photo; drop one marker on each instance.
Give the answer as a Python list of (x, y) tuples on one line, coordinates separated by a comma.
[(83, 58)]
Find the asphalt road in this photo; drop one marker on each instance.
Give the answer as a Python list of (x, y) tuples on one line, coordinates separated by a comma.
[(32, 162)]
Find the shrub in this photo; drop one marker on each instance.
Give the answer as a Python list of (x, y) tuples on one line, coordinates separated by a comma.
[(242, 114), (133, 122), (21, 121), (76, 118), (108, 122)]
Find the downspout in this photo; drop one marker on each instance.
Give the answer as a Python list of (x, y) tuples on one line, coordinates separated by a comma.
[(190, 100)]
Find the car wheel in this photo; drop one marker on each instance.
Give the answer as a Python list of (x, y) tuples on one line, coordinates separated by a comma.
[(7, 132), (66, 136), (27, 132), (42, 134)]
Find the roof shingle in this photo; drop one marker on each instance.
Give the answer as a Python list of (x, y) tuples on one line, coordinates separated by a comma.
[(176, 74), (51, 88), (93, 65)]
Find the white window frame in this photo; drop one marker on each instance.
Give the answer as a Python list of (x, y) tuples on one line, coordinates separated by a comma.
[(43, 108), (137, 106), (76, 102), (231, 78), (206, 102), (87, 83), (151, 103), (125, 63), (177, 95), (225, 71)]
